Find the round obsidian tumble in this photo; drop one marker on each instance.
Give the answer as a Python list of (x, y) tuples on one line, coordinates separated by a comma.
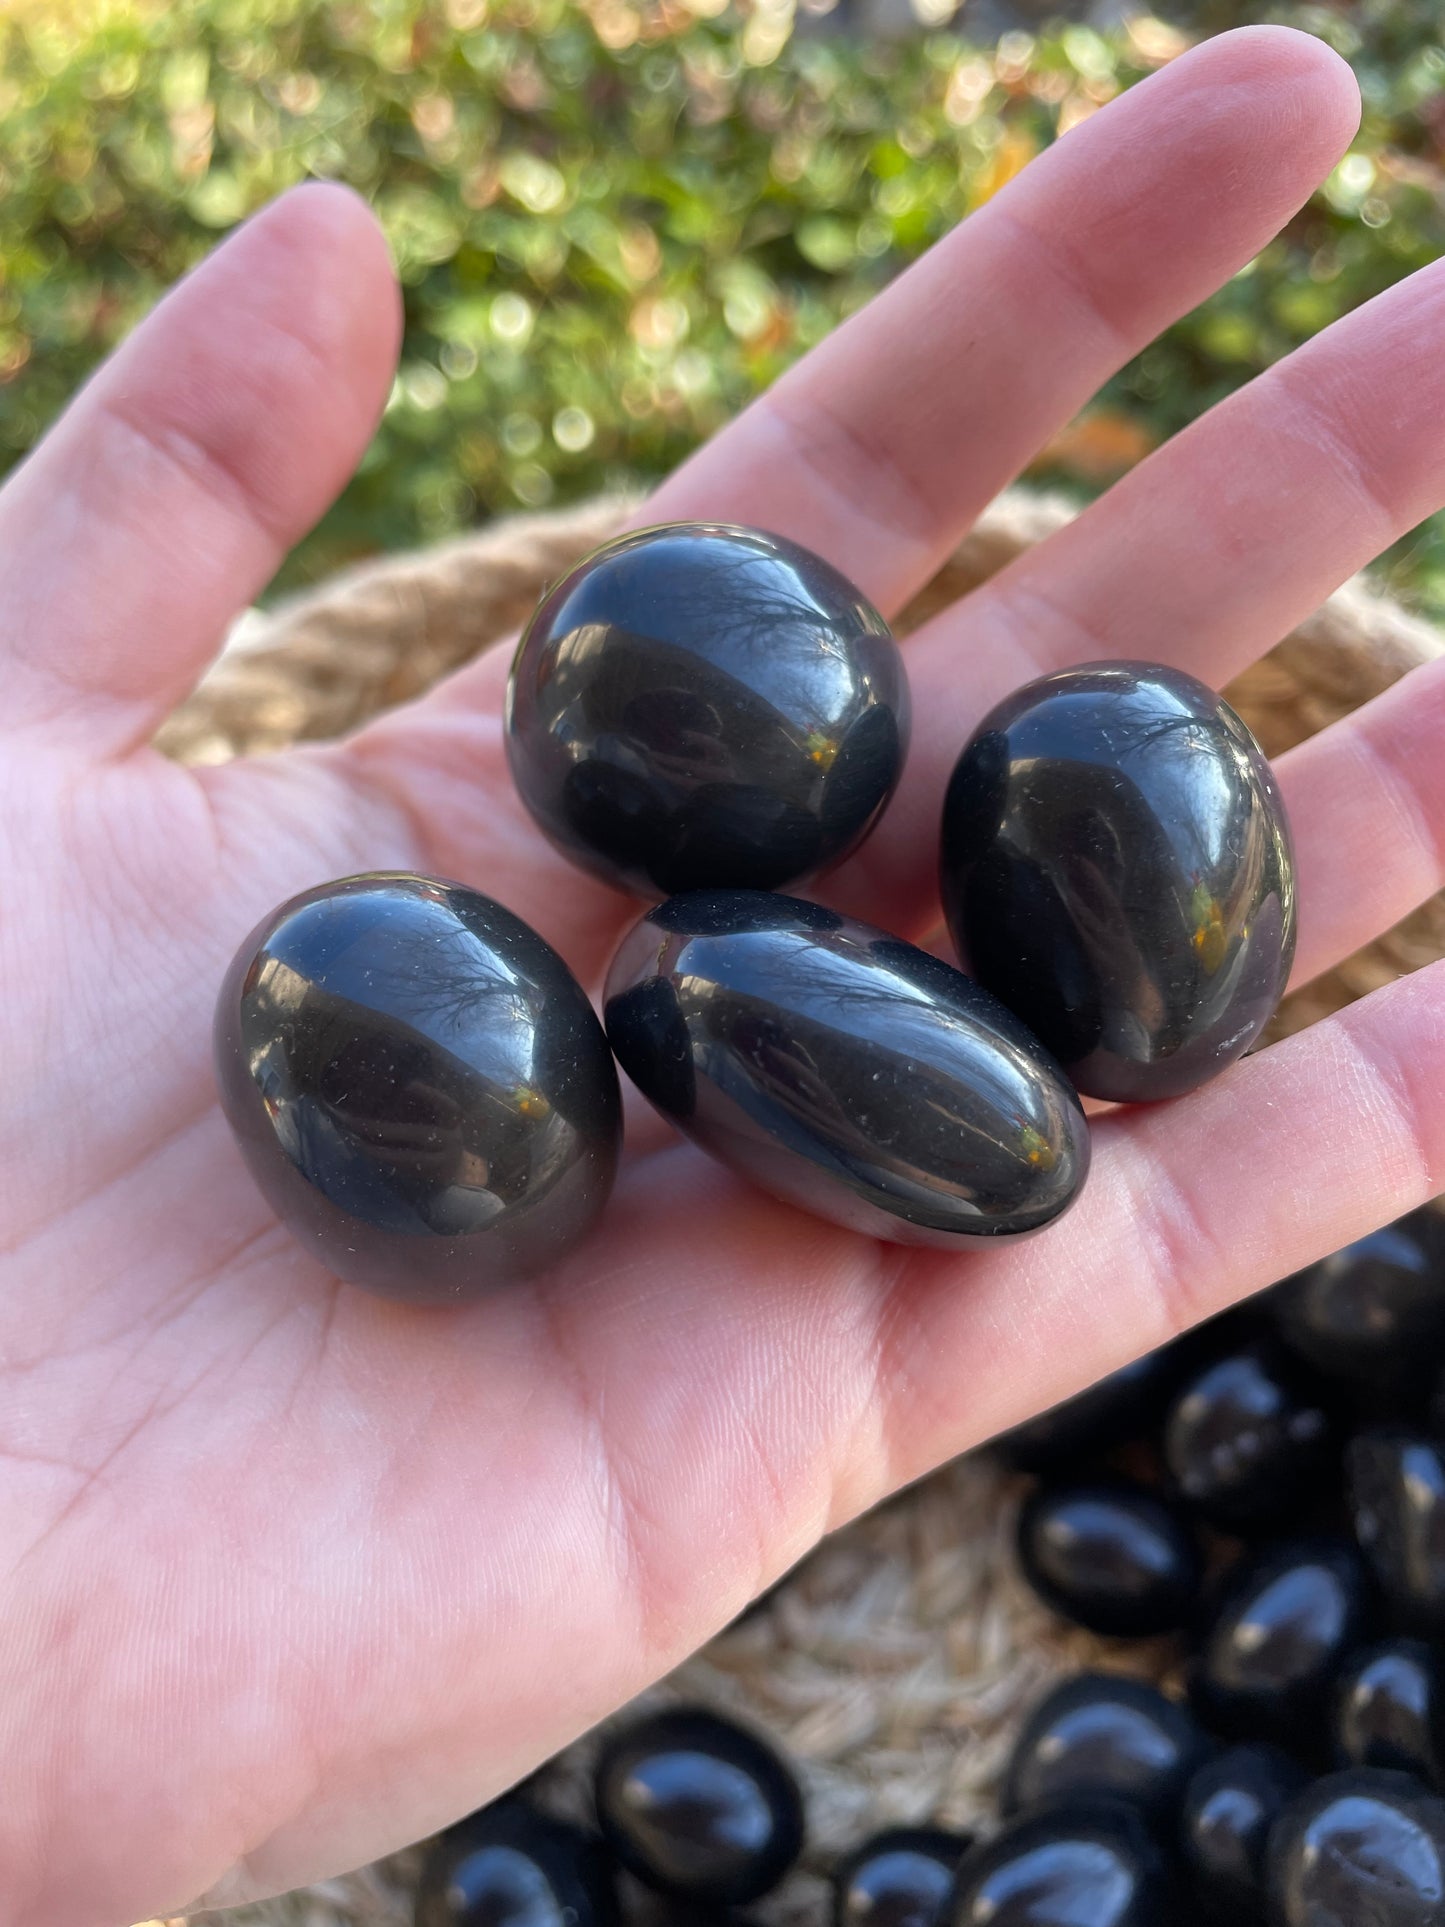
[(899, 1878), (697, 706), (510, 1866), (1116, 866), (1363, 1848), (1269, 1656), (1397, 1499), (697, 1807), (1390, 1708), (1229, 1807), (1094, 1865), (1248, 1438), (1098, 1736), (1111, 1556), (1373, 1314), (844, 1070), (418, 1084)]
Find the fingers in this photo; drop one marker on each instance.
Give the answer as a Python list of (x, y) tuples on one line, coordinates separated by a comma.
[(192, 461), (1202, 556)]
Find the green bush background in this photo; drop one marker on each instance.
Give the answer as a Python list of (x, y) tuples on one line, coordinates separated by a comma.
[(616, 222)]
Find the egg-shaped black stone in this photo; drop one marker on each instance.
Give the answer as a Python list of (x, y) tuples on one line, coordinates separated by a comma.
[(1230, 1805), (1248, 1438), (511, 1866), (1270, 1653), (844, 1070), (418, 1084), (1362, 1848), (699, 1807), (1116, 866), (1102, 1736), (1111, 1556), (1390, 1708), (899, 1878), (1396, 1481), (698, 706), (1069, 1866)]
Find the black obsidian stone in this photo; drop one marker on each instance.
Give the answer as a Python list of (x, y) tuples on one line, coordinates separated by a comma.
[(844, 1070), (697, 1807), (1397, 1501), (901, 1878), (510, 1866), (1248, 1438), (1099, 1736), (1269, 1656), (698, 706), (1390, 1708), (1111, 1556), (1105, 1414), (1116, 866), (1363, 1848), (1091, 1865), (418, 1084), (1230, 1805)]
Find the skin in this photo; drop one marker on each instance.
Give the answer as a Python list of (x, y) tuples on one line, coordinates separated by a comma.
[(289, 1576)]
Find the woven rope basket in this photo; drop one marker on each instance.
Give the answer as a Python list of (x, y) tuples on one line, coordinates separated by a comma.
[(895, 1663)]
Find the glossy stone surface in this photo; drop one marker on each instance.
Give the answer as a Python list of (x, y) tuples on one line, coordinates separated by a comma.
[(1230, 1805), (1397, 1503), (510, 1866), (844, 1070), (697, 706), (1363, 1848), (900, 1878), (418, 1084), (1269, 1657), (698, 1807), (1116, 866), (1101, 1736), (1247, 1439), (1111, 1556), (1390, 1708), (1372, 1314), (1083, 1866)]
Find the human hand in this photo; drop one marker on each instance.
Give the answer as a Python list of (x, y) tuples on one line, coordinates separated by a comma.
[(292, 1575)]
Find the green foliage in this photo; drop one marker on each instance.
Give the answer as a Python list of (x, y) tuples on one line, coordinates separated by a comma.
[(615, 223)]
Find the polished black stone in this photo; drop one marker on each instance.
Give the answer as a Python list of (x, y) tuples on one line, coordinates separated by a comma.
[(1105, 1414), (1081, 1866), (1373, 1314), (1248, 1438), (844, 1070), (1269, 1656), (1103, 1736), (1116, 866), (1111, 1556), (418, 1084), (697, 706), (1363, 1848), (698, 1807), (1390, 1708), (510, 1866), (1397, 1503), (1230, 1805), (901, 1878)]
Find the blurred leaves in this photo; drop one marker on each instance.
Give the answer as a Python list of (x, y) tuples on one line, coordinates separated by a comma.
[(616, 221)]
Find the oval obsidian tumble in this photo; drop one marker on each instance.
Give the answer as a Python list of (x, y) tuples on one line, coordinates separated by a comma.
[(1247, 1438), (1083, 1866), (844, 1070), (900, 1878), (696, 1806), (1229, 1807), (1372, 1314), (1111, 1556), (418, 1084), (697, 705), (1116, 866), (1396, 1485), (1098, 1736), (1363, 1848), (510, 1866), (1390, 1708)]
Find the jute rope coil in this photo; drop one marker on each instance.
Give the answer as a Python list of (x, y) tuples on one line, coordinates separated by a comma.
[(895, 1663)]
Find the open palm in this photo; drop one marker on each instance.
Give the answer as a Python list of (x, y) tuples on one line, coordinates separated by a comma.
[(289, 1575)]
